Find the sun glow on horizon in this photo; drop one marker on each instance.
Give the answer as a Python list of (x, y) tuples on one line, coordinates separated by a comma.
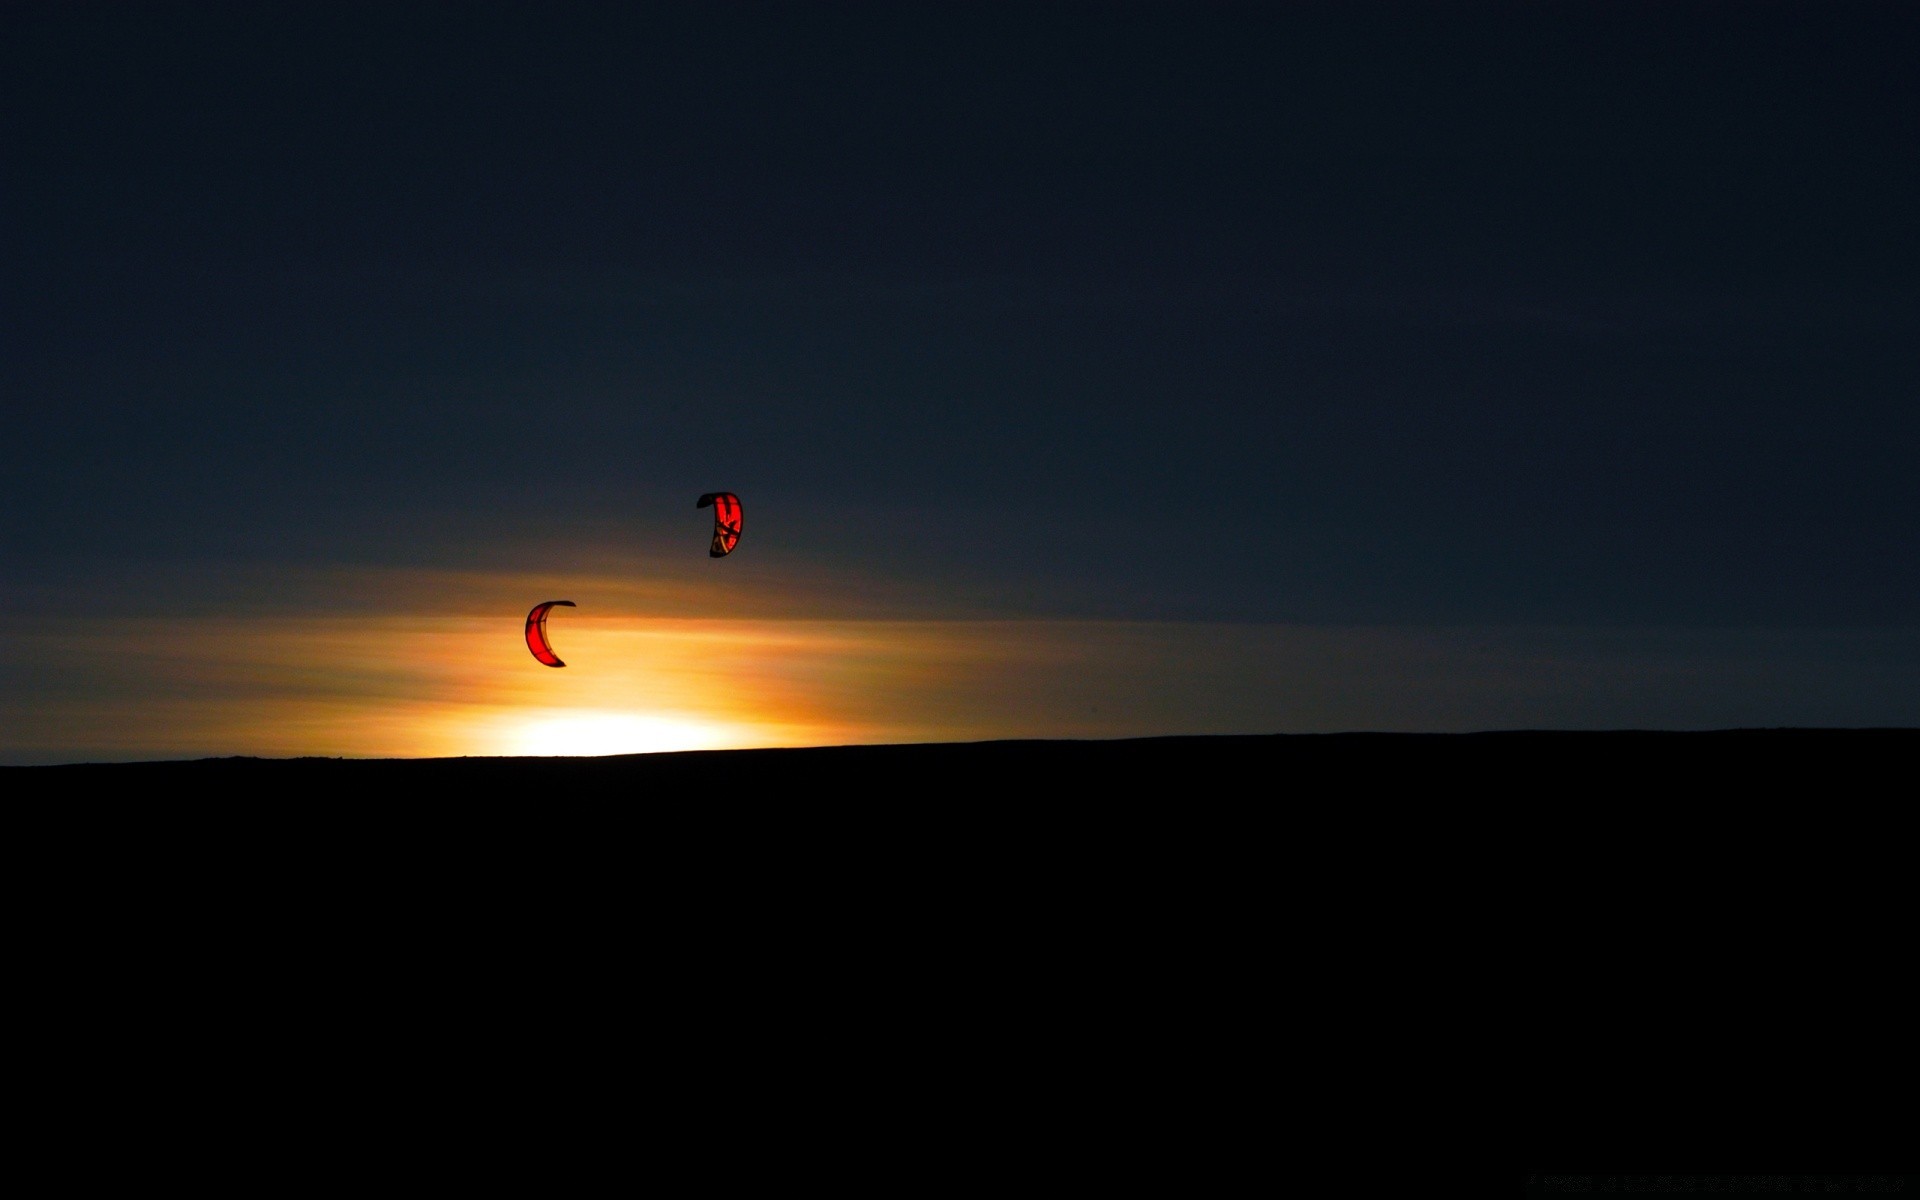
[(413, 685), (595, 733)]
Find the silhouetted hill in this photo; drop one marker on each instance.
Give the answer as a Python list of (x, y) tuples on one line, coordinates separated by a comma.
[(1515, 764), (1161, 923)]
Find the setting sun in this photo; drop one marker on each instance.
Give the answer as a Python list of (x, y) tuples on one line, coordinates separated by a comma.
[(590, 732)]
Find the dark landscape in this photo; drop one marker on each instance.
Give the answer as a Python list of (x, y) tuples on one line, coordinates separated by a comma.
[(1181, 771), (1106, 938)]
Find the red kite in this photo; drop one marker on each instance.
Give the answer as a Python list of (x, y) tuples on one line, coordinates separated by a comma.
[(726, 522), (537, 632)]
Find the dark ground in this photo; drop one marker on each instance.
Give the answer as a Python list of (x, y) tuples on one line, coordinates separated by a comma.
[(1160, 956), (1517, 764), (1194, 813)]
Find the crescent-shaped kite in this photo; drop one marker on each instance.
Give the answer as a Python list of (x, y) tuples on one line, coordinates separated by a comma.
[(726, 522), (537, 632)]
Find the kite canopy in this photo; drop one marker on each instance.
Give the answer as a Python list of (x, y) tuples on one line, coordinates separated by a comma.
[(537, 632), (726, 522)]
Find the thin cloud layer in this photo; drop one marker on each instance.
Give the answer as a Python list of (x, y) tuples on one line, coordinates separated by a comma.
[(430, 676)]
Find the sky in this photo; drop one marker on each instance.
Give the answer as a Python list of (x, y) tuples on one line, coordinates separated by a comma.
[(1084, 369)]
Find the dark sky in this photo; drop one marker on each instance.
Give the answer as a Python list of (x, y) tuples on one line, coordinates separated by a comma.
[(1548, 313)]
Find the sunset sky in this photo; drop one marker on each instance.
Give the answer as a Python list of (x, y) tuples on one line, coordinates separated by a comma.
[(1085, 370)]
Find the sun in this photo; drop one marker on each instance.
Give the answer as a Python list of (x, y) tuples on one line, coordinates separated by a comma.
[(590, 733)]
